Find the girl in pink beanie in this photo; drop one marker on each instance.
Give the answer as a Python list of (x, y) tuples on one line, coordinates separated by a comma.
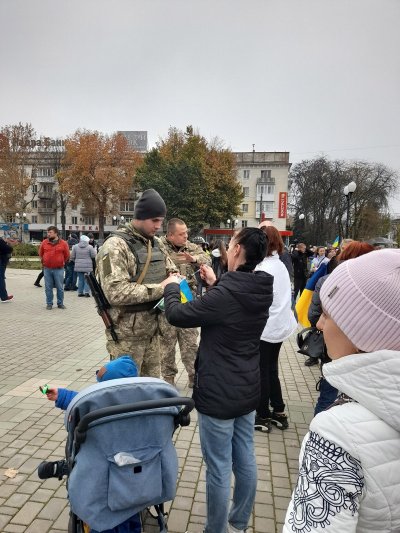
[(349, 476)]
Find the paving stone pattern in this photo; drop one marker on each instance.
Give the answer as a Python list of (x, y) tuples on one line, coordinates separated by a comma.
[(64, 348)]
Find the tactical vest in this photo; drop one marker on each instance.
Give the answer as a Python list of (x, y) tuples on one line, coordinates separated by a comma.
[(156, 271)]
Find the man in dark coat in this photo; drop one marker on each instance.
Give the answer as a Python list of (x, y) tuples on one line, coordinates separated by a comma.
[(5, 254)]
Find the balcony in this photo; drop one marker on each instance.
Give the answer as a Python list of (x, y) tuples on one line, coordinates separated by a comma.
[(46, 210), (45, 179), (44, 195)]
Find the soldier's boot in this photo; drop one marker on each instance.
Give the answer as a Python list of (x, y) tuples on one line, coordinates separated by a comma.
[(170, 380)]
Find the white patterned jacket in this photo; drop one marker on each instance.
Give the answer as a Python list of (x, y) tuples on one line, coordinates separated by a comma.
[(349, 466)]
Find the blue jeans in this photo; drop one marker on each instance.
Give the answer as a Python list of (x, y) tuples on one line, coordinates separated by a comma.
[(3, 290), (54, 278), (83, 286), (327, 395), (228, 445)]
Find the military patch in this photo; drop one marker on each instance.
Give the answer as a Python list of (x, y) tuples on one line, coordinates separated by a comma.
[(106, 264)]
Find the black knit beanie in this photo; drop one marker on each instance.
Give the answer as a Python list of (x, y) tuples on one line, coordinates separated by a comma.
[(150, 205)]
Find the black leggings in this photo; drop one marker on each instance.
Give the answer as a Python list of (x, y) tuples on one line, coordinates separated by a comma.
[(271, 392)]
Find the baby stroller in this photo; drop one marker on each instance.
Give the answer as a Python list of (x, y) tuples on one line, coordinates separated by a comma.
[(120, 458)]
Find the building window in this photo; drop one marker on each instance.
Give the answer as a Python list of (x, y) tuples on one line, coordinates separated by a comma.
[(34, 204), (244, 223), (89, 220), (127, 206), (74, 220), (266, 174), (245, 208), (265, 189), (34, 219), (267, 208), (34, 188), (246, 174), (246, 192), (45, 172), (47, 188), (48, 204), (48, 219)]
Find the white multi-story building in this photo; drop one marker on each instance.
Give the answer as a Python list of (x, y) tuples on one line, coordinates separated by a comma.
[(264, 179)]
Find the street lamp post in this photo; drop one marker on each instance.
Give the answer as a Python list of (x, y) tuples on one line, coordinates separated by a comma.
[(301, 218), (21, 219), (348, 191)]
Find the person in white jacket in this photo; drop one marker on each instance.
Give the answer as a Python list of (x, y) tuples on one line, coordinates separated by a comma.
[(349, 476), (280, 325)]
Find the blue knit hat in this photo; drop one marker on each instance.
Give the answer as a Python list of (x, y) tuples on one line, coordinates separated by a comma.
[(122, 367)]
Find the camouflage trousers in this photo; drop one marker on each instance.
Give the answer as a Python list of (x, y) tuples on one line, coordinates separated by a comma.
[(137, 337), (187, 341)]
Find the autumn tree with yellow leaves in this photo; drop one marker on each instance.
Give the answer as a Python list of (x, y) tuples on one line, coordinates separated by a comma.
[(98, 170)]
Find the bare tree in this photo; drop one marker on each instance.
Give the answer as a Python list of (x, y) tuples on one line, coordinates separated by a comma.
[(316, 190)]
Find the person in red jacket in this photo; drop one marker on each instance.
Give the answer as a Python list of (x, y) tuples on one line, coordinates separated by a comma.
[(54, 253)]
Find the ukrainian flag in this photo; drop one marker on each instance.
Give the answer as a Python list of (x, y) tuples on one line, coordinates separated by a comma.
[(186, 293), (336, 242), (303, 303)]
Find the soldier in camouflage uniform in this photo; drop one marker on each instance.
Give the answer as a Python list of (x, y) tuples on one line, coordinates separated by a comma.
[(120, 263), (187, 257)]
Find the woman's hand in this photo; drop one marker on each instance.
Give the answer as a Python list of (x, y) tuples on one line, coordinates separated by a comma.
[(207, 274), (172, 279)]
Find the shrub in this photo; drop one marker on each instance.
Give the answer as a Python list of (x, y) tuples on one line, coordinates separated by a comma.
[(25, 250)]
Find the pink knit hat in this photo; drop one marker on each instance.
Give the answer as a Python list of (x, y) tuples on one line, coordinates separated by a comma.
[(362, 296)]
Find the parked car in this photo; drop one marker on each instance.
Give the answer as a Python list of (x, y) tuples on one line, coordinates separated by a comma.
[(35, 242)]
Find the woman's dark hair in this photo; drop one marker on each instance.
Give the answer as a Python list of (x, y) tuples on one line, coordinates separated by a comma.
[(255, 243)]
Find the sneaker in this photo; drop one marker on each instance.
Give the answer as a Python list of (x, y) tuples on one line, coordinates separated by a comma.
[(81, 295), (49, 307), (9, 297), (262, 424), (311, 361), (61, 306), (280, 421), (232, 529), (87, 295), (37, 284)]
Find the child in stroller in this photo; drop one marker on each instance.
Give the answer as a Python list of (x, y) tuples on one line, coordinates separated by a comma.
[(120, 458)]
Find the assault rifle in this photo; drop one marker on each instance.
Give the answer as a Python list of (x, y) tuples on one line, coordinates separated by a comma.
[(102, 303)]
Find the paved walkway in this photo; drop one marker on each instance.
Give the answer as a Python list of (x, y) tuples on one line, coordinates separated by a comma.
[(64, 348)]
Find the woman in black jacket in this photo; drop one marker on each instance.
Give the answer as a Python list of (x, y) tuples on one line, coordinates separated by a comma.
[(232, 315)]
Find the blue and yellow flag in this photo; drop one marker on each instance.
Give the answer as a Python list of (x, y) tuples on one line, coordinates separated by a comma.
[(186, 293), (336, 242), (303, 303)]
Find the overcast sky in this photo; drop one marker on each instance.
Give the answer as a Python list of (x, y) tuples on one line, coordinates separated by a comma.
[(304, 76)]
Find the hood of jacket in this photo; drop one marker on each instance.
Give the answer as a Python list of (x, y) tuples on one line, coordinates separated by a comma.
[(83, 244), (250, 289), (372, 379)]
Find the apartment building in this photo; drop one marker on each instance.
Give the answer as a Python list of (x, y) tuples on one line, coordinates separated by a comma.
[(262, 175)]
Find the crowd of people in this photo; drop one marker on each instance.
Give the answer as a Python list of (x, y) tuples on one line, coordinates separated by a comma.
[(245, 312)]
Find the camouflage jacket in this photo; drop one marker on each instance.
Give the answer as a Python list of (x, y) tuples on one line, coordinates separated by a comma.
[(117, 265), (187, 269)]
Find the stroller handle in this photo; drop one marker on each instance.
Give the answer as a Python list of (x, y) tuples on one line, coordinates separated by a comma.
[(181, 418)]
